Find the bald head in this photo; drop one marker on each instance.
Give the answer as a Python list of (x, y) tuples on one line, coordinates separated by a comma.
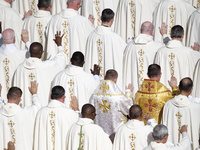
[(186, 85), (111, 75), (74, 4), (88, 111), (36, 50), (135, 112), (8, 36), (147, 28)]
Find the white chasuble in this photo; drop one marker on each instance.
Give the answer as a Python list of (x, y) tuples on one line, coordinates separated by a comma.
[(10, 58), (105, 48), (138, 55), (193, 28), (112, 106), (11, 19), (52, 125), (76, 82), (36, 26), (172, 12), (196, 81), (17, 124), (85, 135), (43, 72), (133, 135), (178, 112), (176, 60), (131, 14), (75, 28)]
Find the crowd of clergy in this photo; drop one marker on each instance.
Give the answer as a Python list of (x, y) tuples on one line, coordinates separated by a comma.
[(99, 74)]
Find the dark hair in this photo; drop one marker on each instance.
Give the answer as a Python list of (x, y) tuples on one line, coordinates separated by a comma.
[(111, 74), (107, 15), (77, 57), (57, 92), (44, 3), (135, 112), (177, 31), (186, 85), (14, 93), (154, 70)]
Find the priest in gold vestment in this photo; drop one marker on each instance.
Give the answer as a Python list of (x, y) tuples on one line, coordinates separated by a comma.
[(152, 95)]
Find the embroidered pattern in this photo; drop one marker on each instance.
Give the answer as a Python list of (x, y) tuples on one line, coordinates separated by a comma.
[(179, 116), (32, 76), (131, 4), (12, 131), (33, 6), (172, 56), (39, 26), (104, 106), (99, 44), (98, 11), (141, 66), (150, 105), (71, 89), (52, 123), (6, 68), (82, 140), (132, 143), (171, 15), (198, 3), (104, 87), (149, 86), (66, 37)]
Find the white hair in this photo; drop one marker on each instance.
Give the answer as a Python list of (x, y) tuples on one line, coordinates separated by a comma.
[(8, 36), (159, 132)]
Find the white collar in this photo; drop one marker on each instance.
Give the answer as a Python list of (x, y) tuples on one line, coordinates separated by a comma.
[(181, 101), (7, 49), (84, 121), (68, 13), (55, 103), (134, 124), (4, 3), (32, 62), (103, 30), (72, 70), (143, 39), (41, 14), (174, 44), (10, 109)]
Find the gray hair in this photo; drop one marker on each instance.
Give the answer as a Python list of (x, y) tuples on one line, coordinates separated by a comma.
[(147, 27), (159, 132), (70, 1), (8, 36)]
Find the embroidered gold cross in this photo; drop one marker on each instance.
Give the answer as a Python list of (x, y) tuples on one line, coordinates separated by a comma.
[(132, 143), (31, 76), (172, 9), (96, 2), (39, 25), (52, 115), (104, 106), (11, 123), (104, 87), (65, 24), (99, 42), (141, 52), (70, 82), (171, 56), (131, 4), (6, 61)]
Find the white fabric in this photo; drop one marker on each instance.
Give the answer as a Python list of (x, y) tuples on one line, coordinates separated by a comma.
[(133, 135), (138, 55), (177, 60), (172, 12), (10, 58), (196, 81), (112, 106), (75, 28), (193, 28), (43, 72), (105, 48), (51, 126), (183, 145), (57, 6), (36, 26), (21, 131), (93, 136), (131, 14), (77, 83), (181, 111), (11, 19)]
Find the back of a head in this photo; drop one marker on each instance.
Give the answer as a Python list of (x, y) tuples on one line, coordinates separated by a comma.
[(8, 36), (147, 28), (71, 2), (57, 92), (177, 31), (111, 74), (135, 112), (36, 49), (44, 4), (14, 93), (107, 15), (159, 132), (87, 110), (77, 58), (186, 85), (154, 70)]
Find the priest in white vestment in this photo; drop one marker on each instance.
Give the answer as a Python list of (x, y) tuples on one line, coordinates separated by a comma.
[(37, 23), (131, 14), (105, 48), (16, 123), (160, 134), (11, 19), (134, 134), (34, 68), (180, 111), (175, 59), (77, 82), (112, 106), (10, 58), (193, 28), (172, 12), (85, 135), (138, 55), (75, 28), (196, 90), (53, 122)]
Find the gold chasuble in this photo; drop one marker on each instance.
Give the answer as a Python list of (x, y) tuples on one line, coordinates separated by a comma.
[(152, 96)]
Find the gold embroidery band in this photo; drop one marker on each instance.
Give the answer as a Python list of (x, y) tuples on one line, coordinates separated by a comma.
[(71, 90), (12, 131), (131, 4), (39, 26), (99, 44), (132, 143), (52, 123), (179, 116), (66, 39), (171, 15), (7, 70), (98, 11)]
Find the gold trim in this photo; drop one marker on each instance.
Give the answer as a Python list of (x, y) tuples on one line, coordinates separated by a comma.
[(12, 130), (65, 24), (7, 70), (132, 143), (71, 90), (39, 26), (31, 76), (98, 11), (104, 106), (99, 43), (172, 64), (141, 66), (179, 116), (198, 3), (82, 140), (52, 123), (33, 6), (131, 4), (171, 15)]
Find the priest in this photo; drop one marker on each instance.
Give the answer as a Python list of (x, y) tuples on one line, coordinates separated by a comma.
[(105, 48), (84, 134), (34, 68), (53, 122), (138, 55), (182, 111), (17, 124), (75, 28)]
